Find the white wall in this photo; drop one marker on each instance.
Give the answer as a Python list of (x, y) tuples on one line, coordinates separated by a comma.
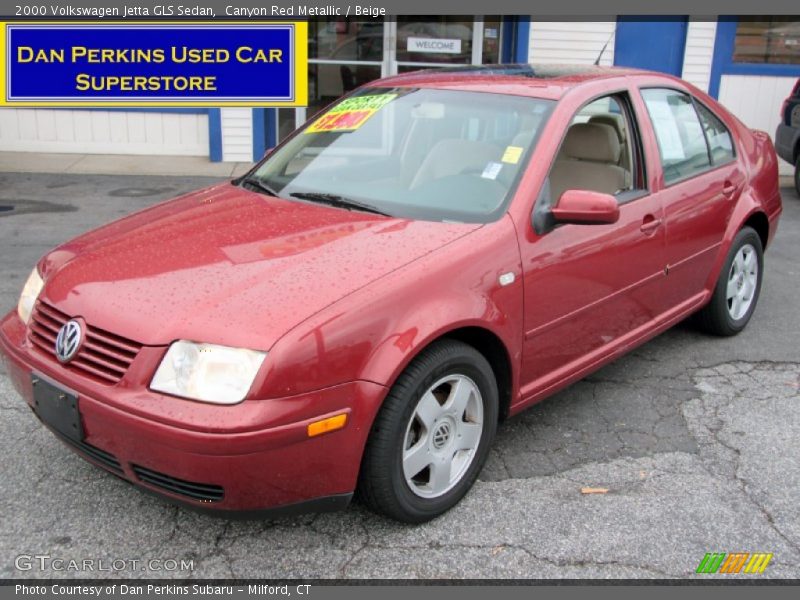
[(571, 42), (700, 37), (103, 132), (237, 134), (756, 100), (580, 42)]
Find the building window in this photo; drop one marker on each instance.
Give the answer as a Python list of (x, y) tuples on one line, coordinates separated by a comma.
[(492, 28), (770, 40)]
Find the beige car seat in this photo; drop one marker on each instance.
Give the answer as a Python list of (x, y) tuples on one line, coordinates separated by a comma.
[(618, 123), (454, 156)]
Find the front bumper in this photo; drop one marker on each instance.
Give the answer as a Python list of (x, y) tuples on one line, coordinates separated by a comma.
[(252, 456), (787, 141)]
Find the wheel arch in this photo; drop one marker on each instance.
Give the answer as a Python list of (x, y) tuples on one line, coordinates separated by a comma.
[(760, 223), (748, 213), (495, 352), (487, 342)]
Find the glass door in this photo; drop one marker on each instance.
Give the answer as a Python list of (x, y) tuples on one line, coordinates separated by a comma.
[(443, 41), (344, 54)]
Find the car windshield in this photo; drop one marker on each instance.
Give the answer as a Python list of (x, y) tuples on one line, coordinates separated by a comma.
[(413, 153)]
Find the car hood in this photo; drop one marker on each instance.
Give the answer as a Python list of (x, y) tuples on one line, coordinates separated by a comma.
[(225, 265)]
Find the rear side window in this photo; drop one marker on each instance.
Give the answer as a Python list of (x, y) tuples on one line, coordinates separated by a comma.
[(720, 142), (681, 141)]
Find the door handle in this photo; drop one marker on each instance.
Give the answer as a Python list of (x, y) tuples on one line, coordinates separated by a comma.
[(650, 224), (729, 188)]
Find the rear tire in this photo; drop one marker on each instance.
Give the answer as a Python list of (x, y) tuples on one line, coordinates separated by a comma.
[(797, 176), (432, 435), (737, 290)]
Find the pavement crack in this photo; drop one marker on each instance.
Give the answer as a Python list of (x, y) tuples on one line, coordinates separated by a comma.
[(346, 565), (743, 485), (493, 549), (713, 424), (583, 563)]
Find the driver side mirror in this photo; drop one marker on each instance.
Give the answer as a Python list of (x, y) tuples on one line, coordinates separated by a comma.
[(584, 207)]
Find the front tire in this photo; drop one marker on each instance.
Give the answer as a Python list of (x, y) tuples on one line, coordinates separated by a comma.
[(737, 290), (432, 435), (797, 176)]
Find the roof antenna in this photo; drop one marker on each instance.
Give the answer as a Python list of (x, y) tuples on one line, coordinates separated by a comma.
[(608, 41)]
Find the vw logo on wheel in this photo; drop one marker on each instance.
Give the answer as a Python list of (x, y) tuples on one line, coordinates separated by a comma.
[(441, 435), (69, 341)]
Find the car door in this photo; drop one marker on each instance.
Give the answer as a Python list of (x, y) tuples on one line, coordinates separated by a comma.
[(701, 181), (587, 287)]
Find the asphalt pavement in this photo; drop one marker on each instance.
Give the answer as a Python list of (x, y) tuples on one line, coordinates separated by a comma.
[(695, 439)]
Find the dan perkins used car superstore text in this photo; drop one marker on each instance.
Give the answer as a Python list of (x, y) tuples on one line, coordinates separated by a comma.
[(181, 10), (159, 590)]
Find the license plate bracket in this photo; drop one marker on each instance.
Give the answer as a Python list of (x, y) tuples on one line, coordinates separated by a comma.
[(57, 408)]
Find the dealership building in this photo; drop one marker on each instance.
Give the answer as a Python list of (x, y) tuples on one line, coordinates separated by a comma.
[(750, 65)]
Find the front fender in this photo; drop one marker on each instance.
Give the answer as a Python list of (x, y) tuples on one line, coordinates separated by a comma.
[(374, 333)]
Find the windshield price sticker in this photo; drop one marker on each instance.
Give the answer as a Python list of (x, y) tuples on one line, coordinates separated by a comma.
[(350, 114), (512, 154)]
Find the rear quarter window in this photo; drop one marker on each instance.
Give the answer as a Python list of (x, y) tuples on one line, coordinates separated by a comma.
[(720, 142)]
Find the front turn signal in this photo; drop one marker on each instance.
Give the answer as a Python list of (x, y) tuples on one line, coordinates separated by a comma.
[(327, 425)]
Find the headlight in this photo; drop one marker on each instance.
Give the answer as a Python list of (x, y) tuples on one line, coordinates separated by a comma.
[(30, 293), (207, 372)]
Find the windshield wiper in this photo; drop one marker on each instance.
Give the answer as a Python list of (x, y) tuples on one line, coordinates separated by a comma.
[(339, 202), (259, 183)]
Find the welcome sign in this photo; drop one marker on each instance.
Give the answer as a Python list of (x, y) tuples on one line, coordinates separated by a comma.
[(245, 64)]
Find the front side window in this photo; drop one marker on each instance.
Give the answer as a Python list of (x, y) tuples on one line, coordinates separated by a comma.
[(681, 141), (598, 152), (413, 153)]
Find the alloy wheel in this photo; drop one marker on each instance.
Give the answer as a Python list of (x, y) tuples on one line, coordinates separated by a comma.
[(442, 436), (742, 282)]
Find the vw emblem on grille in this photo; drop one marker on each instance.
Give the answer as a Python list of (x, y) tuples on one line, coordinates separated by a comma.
[(68, 341)]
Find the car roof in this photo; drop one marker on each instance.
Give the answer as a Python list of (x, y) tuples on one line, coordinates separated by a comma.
[(539, 80)]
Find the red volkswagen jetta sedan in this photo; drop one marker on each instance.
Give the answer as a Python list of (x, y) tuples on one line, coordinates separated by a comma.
[(429, 255)]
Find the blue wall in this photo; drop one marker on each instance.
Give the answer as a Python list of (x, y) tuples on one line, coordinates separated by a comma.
[(265, 130), (214, 135), (516, 34), (656, 45)]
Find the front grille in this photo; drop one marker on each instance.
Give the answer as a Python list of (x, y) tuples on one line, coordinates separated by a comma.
[(104, 357), (106, 459), (204, 492)]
